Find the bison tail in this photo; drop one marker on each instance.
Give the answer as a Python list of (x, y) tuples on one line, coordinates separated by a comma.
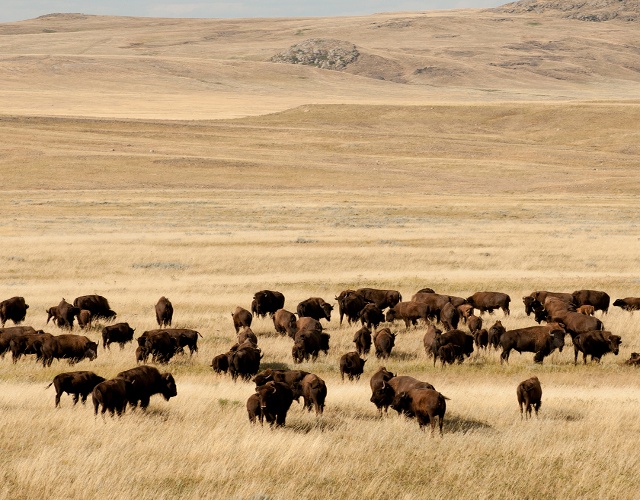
[(445, 397), (200, 335), (48, 386)]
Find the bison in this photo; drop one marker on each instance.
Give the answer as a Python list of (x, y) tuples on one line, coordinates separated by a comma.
[(293, 378), (371, 315), (383, 341), (628, 304), (244, 361), (275, 401), (8, 334), (266, 302), (74, 348), (474, 323), (434, 301), (78, 384), (164, 312), (84, 319), (541, 340), (599, 300), (63, 314), (120, 333), (159, 344), (463, 344), (429, 338), (241, 318), (529, 393), (409, 312), (481, 339), (314, 393), (381, 298), (595, 344), (28, 343), (362, 339), (220, 363), (384, 393), (448, 353), (316, 308), (147, 381), (425, 404), (350, 304), (351, 364), (377, 383), (97, 304), (488, 301), (112, 395), (285, 322), (576, 323), (449, 317), (253, 409), (586, 310), (495, 332), (246, 334), (14, 309)]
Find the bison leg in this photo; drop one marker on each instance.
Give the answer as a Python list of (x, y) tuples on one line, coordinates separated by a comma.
[(95, 406), (58, 394), (505, 355), (75, 398)]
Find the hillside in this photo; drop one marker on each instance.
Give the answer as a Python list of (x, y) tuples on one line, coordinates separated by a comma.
[(589, 10)]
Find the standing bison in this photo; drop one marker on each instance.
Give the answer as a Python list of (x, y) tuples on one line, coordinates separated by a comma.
[(352, 365), (266, 302), (97, 305), (164, 312), (628, 304), (242, 318), (350, 304), (384, 340), (315, 308), (14, 309), (362, 339), (595, 344), (275, 401), (147, 381), (541, 340), (424, 404), (409, 312), (74, 348), (381, 298), (120, 333), (599, 300), (112, 395), (371, 315), (489, 301), (529, 395), (78, 384), (285, 322)]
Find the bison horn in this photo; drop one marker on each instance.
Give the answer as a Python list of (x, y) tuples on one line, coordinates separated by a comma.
[(383, 384), (274, 389)]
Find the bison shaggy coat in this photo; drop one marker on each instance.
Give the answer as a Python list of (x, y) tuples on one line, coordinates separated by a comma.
[(371, 315), (147, 381), (599, 300), (285, 322), (316, 308), (529, 395), (275, 401), (362, 339), (97, 304), (352, 365), (409, 312), (628, 304), (74, 348), (384, 340), (78, 384), (314, 393), (266, 302), (424, 404), (14, 309), (541, 340), (384, 393), (120, 333), (112, 395), (489, 301), (164, 312), (595, 344), (381, 298), (241, 318)]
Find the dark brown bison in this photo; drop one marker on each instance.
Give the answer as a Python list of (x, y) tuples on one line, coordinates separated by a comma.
[(253, 409), (381, 298), (383, 341), (448, 353), (529, 395), (247, 334), (628, 304), (185, 338), (599, 300), (543, 295), (595, 344), (377, 382), (77, 384), (434, 301), (429, 338), (159, 345), (474, 323), (28, 343), (242, 318), (426, 290), (308, 344), (14, 309), (164, 312), (495, 332), (63, 314), (120, 333), (362, 339), (112, 395), (555, 307), (314, 393), (371, 315), (275, 401), (8, 334), (541, 340), (576, 323), (73, 348), (316, 308), (424, 404), (463, 344), (384, 393), (449, 317), (244, 361), (634, 359), (220, 363), (142, 354), (409, 312), (147, 381), (293, 378), (481, 338), (285, 322), (352, 365), (97, 304), (350, 304), (266, 302), (308, 325), (84, 319), (489, 301)]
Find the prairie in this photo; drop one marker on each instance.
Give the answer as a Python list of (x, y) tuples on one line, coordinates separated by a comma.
[(118, 182)]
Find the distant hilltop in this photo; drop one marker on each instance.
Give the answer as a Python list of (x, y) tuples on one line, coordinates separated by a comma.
[(590, 10)]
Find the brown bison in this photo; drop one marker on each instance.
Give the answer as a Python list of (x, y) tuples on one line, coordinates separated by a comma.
[(462, 343), (8, 334), (385, 391), (383, 341), (429, 338), (285, 322), (628, 304), (14, 309), (495, 332), (465, 310), (293, 378), (448, 353), (28, 343), (308, 344), (542, 296), (599, 300), (350, 304), (576, 323), (371, 315), (244, 361), (74, 348), (147, 381), (377, 382), (164, 312), (275, 401), (409, 312), (112, 395), (314, 393), (381, 298), (266, 302), (449, 317), (529, 395), (351, 364), (489, 301), (159, 345), (246, 334), (362, 339), (541, 340), (634, 359), (424, 404), (586, 310), (97, 304), (242, 318), (184, 337), (84, 319), (595, 344), (481, 339), (434, 301), (316, 308), (474, 323), (120, 333), (220, 363), (253, 409), (78, 384), (63, 314)]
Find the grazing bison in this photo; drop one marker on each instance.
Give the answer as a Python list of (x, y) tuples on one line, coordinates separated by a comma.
[(381, 298), (541, 340), (275, 401), (14, 309), (448, 353), (628, 304), (586, 309), (449, 317), (463, 344), (371, 315), (308, 325), (8, 334), (246, 334), (383, 341), (377, 383), (120, 333), (595, 344), (147, 381), (253, 409), (315, 308), (308, 344), (314, 393), (576, 323), (266, 302), (350, 304), (74, 348), (242, 318), (244, 361), (542, 297), (159, 344), (293, 378), (84, 319), (362, 339), (386, 388), (495, 332), (634, 359), (351, 364), (164, 312), (474, 323), (220, 363), (185, 337), (78, 384), (409, 312), (429, 338), (424, 404), (599, 300), (434, 301), (285, 322), (481, 339), (529, 394), (28, 343), (488, 301), (112, 395), (63, 314), (97, 304)]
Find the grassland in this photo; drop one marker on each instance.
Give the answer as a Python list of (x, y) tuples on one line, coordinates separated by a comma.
[(402, 187)]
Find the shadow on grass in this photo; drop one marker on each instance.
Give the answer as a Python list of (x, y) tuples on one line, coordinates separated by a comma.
[(564, 415), (456, 423), (274, 365)]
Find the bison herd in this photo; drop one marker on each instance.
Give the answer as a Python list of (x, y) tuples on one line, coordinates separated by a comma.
[(445, 340)]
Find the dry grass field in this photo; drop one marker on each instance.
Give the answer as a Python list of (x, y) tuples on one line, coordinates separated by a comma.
[(149, 157)]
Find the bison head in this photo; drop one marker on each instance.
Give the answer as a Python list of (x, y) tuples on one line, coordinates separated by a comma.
[(298, 352), (402, 403), (383, 396), (391, 315), (169, 388), (327, 308), (614, 342)]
